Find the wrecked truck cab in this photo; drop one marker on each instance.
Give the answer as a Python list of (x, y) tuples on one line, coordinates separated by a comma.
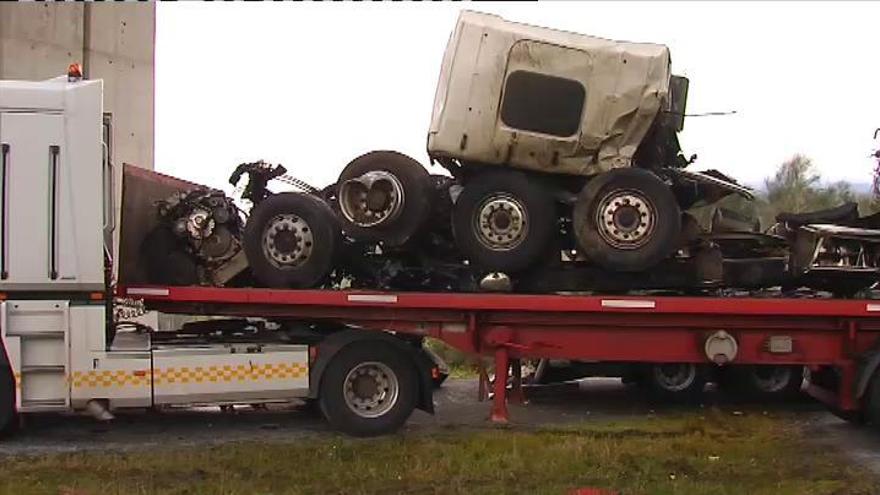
[(547, 100)]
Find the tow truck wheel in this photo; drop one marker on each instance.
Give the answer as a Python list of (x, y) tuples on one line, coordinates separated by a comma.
[(674, 382), (872, 402), (7, 399), (290, 240), (383, 196), (762, 382), (627, 220), (368, 390), (502, 221)]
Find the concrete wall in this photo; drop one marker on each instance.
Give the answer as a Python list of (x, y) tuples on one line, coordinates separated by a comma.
[(114, 42)]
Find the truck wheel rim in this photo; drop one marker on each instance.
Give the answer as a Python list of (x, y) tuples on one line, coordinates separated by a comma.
[(675, 377), (501, 222), (626, 219), (371, 199), (287, 241), (371, 389), (772, 379)]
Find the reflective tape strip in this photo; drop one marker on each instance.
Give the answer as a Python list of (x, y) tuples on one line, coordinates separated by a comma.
[(380, 298), (146, 291), (872, 308), (628, 304), (195, 374), (230, 373), (111, 378)]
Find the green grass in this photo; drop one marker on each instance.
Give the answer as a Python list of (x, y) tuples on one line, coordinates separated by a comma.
[(702, 453)]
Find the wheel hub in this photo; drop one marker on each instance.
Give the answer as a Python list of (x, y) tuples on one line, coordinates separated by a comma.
[(199, 224), (675, 377), (771, 378), (626, 219), (374, 198), (500, 223), (287, 241), (371, 389)]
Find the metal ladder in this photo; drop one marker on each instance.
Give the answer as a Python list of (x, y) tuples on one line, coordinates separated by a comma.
[(36, 336)]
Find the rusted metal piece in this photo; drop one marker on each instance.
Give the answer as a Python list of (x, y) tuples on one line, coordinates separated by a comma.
[(141, 189)]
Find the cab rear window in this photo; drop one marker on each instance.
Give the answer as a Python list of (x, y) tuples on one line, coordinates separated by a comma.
[(541, 103)]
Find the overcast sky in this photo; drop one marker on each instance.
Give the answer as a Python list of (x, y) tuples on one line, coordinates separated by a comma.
[(314, 85)]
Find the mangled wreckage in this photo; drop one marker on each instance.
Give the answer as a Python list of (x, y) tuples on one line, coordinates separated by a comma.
[(563, 172)]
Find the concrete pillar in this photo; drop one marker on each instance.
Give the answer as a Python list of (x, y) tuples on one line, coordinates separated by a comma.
[(114, 42)]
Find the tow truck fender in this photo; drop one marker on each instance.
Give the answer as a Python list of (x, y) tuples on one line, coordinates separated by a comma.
[(335, 342)]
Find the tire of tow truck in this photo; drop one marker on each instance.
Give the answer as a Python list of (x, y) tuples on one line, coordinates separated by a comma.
[(503, 222), (290, 241), (764, 383), (7, 400), (368, 389), (627, 220), (674, 382), (393, 207), (872, 403)]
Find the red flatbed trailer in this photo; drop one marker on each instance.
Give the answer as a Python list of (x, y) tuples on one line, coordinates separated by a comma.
[(821, 334)]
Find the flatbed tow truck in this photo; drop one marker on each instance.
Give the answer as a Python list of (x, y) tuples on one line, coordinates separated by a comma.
[(357, 353)]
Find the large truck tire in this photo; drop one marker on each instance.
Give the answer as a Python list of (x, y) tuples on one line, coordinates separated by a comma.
[(7, 397), (674, 382), (383, 196), (762, 382), (503, 222), (627, 220), (368, 389), (872, 402), (290, 241)]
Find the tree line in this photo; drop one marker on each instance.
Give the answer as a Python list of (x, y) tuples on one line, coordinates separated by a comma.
[(797, 187)]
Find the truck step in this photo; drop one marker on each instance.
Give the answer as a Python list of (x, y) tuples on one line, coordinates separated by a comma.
[(43, 368), (43, 405)]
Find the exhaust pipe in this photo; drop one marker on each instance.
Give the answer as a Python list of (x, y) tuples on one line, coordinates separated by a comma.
[(98, 410)]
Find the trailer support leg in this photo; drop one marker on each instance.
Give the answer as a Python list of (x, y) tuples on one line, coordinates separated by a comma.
[(516, 391), (499, 402)]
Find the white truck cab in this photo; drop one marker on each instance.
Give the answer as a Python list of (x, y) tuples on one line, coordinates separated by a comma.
[(61, 349)]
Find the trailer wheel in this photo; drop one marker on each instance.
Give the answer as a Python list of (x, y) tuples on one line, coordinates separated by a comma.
[(674, 382), (383, 196), (7, 400), (627, 220), (290, 240), (767, 382), (502, 221), (368, 389)]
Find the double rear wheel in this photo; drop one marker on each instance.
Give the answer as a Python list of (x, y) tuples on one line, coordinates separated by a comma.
[(623, 220), (627, 220), (502, 221)]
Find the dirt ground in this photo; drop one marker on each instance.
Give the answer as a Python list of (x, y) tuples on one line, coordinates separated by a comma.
[(457, 409)]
